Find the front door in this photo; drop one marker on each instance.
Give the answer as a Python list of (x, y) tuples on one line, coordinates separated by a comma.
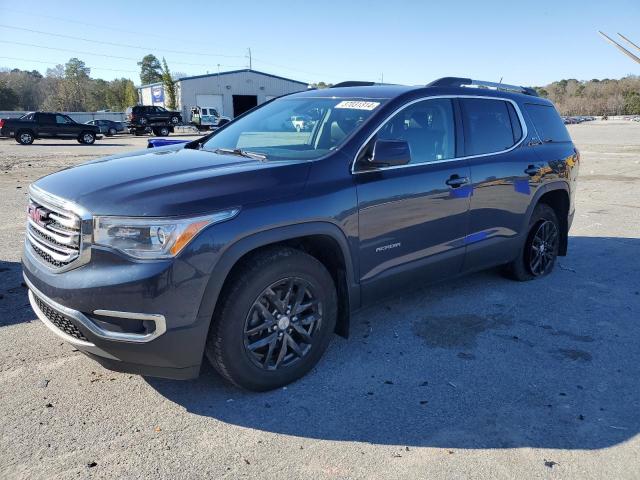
[(413, 218)]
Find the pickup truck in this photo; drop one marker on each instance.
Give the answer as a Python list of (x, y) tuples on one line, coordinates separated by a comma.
[(47, 125)]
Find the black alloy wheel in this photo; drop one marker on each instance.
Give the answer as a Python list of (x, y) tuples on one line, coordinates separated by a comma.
[(281, 324), (543, 248)]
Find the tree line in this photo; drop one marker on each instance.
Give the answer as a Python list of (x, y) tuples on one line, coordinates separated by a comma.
[(595, 97), (71, 88)]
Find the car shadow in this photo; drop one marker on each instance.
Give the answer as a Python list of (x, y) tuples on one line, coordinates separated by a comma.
[(478, 362), (14, 303)]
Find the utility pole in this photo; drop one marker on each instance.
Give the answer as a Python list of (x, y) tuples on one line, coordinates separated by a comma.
[(249, 57), (382, 77), (218, 79)]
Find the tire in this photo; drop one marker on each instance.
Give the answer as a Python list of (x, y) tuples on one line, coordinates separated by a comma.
[(87, 138), (242, 309), (175, 120), (24, 137), (142, 121), (540, 250), (112, 131), (161, 131)]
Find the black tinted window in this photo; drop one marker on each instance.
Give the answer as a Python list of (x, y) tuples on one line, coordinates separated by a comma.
[(548, 123), (427, 126), (46, 118), (487, 126)]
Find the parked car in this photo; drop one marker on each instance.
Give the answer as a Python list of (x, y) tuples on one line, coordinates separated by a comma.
[(34, 125), (207, 118), (252, 245), (108, 127), (146, 115)]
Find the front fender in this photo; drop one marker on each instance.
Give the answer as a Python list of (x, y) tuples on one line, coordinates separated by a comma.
[(230, 256)]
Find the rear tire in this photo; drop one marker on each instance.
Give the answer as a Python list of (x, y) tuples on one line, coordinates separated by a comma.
[(175, 120), (112, 131), (161, 131), (285, 299), (540, 250), (24, 137)]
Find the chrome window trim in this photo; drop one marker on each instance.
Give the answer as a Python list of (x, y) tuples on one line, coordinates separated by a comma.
[(86, 227), (525, 132), (160, 321)]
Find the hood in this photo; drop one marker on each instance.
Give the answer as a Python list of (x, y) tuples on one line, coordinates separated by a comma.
[(173, 180)]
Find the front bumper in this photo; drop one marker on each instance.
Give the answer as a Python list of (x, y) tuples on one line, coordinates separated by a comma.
[(137, 317)]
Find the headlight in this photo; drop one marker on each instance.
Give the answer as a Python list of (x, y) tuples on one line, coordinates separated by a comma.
[(152, 237)]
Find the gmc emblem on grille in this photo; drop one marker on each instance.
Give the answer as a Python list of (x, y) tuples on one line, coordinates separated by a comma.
[(38, 215)]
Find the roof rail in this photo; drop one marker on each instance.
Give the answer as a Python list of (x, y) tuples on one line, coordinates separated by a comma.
[(470, 83), (353, 83)]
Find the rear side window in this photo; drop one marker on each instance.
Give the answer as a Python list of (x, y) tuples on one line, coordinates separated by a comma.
[(487, 126), (548, 123)]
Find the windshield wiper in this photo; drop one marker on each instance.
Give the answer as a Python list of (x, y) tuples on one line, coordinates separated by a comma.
[(241, 153)]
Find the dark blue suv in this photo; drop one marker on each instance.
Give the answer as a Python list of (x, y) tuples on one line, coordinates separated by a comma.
[(254, 244)]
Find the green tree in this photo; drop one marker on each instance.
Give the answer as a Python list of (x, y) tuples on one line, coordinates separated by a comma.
[(150, 69), (8, 98), (169, 85)]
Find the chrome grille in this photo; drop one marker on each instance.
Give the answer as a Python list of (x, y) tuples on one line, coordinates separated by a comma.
[(54, 233)]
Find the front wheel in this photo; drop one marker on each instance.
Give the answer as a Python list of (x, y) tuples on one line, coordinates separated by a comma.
[(540, 251), (87, 138), (275, 320), (112, 131), (175, 120)]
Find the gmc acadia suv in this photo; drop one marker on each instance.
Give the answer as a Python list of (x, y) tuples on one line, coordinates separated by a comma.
[(254, 244)]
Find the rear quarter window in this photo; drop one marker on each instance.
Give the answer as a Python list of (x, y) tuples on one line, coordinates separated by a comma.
[(548, 123), (487, 126)]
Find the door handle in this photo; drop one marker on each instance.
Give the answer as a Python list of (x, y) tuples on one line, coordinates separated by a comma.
[(456, 181), (532, 170)]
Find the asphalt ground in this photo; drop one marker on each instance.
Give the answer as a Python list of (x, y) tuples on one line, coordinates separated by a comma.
[(474, 378)]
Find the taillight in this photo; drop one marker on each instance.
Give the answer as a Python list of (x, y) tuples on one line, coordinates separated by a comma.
[(1, 122)]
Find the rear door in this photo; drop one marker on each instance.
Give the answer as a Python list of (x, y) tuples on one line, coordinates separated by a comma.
[(47, 127), (412, 222), (496, 142)]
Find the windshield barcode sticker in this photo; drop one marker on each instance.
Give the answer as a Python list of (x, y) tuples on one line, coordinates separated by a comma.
[(357, 105)]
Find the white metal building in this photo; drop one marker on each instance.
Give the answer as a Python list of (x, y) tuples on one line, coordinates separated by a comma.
[(231, 93)]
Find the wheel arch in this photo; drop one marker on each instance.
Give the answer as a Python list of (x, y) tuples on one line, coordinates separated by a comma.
[(323, 240), (557, 196)]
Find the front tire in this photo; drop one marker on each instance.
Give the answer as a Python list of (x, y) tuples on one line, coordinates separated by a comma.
[(87, 138), (274, 321), (175, 120), (112, 131), (540, 251)]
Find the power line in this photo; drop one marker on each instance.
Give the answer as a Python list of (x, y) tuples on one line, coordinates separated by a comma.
[(95, 25), (58, 63), (80, 52), (113, 44)]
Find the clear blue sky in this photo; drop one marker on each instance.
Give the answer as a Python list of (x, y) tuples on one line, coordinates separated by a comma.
[(412, 42)]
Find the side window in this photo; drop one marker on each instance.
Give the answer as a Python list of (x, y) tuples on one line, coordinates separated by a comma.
[(61, 119), (429, 128), (548, 123), (46, 118), (487, 126)]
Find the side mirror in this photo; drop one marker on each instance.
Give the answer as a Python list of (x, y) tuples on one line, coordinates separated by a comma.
[(390, 153)]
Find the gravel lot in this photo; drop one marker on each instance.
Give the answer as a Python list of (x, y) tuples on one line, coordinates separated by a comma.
[(481, 377)]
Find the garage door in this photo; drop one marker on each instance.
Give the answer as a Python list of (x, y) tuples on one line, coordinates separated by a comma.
[(210, 101)]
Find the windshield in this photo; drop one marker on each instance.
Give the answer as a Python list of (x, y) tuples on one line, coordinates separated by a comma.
[(295, 128)]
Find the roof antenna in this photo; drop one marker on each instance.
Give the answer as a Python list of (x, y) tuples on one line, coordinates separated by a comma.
[(500, 80)]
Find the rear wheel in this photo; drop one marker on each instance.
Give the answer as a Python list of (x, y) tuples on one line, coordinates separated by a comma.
[(274, 321), (24, 137), (175, 120), (161, 131), (540, 251), (112, 131)]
